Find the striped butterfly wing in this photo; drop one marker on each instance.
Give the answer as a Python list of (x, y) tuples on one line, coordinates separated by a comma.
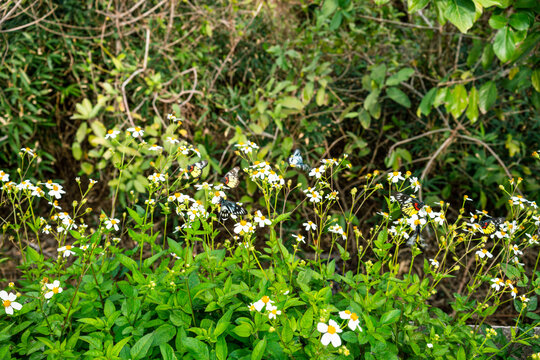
[(296, 160), (409, 205), (195, 170), (232, 178), (229, 208)]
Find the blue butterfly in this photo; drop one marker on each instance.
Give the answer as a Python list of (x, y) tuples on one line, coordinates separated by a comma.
[(296, 161)]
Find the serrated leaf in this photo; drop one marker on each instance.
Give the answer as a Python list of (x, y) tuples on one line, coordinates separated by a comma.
[(141, 347), (461, 13)]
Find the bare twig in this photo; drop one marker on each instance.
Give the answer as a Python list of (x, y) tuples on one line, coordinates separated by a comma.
[(135, 73), (416, 138), (5, 17), (30, 23)]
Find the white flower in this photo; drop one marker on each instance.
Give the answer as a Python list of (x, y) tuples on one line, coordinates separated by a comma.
[(514, 292), (4, 176), (179, 197), (333, 195), (242, 227), (415, 221), (430, 345), (262, 220), (8, 300), (533, 240), (112, 134), (112, 223), (314, 196), (484, 252), (415, 183), (439, 218), (172, 140), (353, 319), (395, 176), (56, 191), (66, 250), (247, 148), (156, 177), (317, 172), (434, 263), (497, 283), (330, 333), (330, 162), (204, 186), (155, 148), (28, 151), (337, 229), (136, 132), (46, 229), (299, 238), (217, 196), (265, 300), (310, 225), (273, 311), (55, 289), (516, 250)]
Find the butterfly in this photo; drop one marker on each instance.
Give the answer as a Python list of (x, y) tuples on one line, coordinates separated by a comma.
[(296, 161), (231, 179), (196, 169), (409, 205), (417, 235), (489, 226), (229, 208)]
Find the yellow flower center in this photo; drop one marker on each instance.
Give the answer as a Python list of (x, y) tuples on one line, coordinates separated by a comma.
[(243, 222), (110, 131), (484, 251), (395, 173), (68, 247), (263, 217), (354, 317), (331, 329), (265, 299), (7, 303), (417, 222), (55, 188), (55, 290), (137, 129), (274, 312)]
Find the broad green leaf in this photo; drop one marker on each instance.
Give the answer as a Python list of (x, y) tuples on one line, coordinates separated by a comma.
[(197, 348), (390, 317), (290, 102), (398, 96), (371, 100), (119, 346), (520, 21), (329, 7), (497, 21), (141, 347), (427, 102), (259, 349), (400, 76), (487, 96), (504, 44), (472, 109), (167, 352), (221, 348), (458, 101), (461, 13), (415, 5), (365, 118), (76, 150), (488, 3), (535, 79), (164, 334), (378, 73)]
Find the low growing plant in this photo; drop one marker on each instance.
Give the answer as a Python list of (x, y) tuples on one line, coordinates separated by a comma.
[(181, 274)]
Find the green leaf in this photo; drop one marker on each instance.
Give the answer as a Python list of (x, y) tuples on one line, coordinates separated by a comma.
[(258, 350), (458, 101), (488, 3), (487, 96), (427, 102), (365, 118), (76, 150), (390, 317), (127, 262), (378, 73), (504, 44), (535, 79), (400, 76), (415, 5), (398, 96), (141, 347), (520, 21), (167, 352), (243, 330), (307, 319), (472, 109), (290, 102), (497, 21), (371, 100), (461, 13), (221, 348), (119, 346), (281, 217), (164, 334), (329, 7), (197, 348)]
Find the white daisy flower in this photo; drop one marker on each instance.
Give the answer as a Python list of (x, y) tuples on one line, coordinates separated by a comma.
[(8, 300), (395, 176), (310, 225), (112, 134), (136, 131), (262, 220), (54, 289), (330, 333), (354, 320), (66, 250)]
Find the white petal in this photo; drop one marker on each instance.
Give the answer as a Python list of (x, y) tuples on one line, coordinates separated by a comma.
[(56, 283), (60, 290), (49, 295), (12, 297), (334, 324), (336, 340), (322, 328), (16, 305), (325, 340), (49, 286), (9, 310), (3, 295)]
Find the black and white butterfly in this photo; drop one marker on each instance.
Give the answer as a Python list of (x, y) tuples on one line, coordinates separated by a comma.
[(295, 160), (232, 179), (409, 205), (489, 226), (229, 208), (196, 169), (417, 237)]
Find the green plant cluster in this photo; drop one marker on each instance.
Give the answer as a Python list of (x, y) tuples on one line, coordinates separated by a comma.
[(252, 287), (448, 89)]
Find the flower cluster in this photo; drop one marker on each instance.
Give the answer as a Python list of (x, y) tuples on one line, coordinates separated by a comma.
[(265, 302), (262, 171), (247, 148)]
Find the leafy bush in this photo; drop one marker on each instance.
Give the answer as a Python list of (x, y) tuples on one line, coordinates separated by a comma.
[(184, 284)]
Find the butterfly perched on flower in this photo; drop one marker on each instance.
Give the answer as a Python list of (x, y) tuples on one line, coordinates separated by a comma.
[(417, 237), (409, 205), (196, 169), (229, 208), (232, 179), (489, 226), (295, 160)]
